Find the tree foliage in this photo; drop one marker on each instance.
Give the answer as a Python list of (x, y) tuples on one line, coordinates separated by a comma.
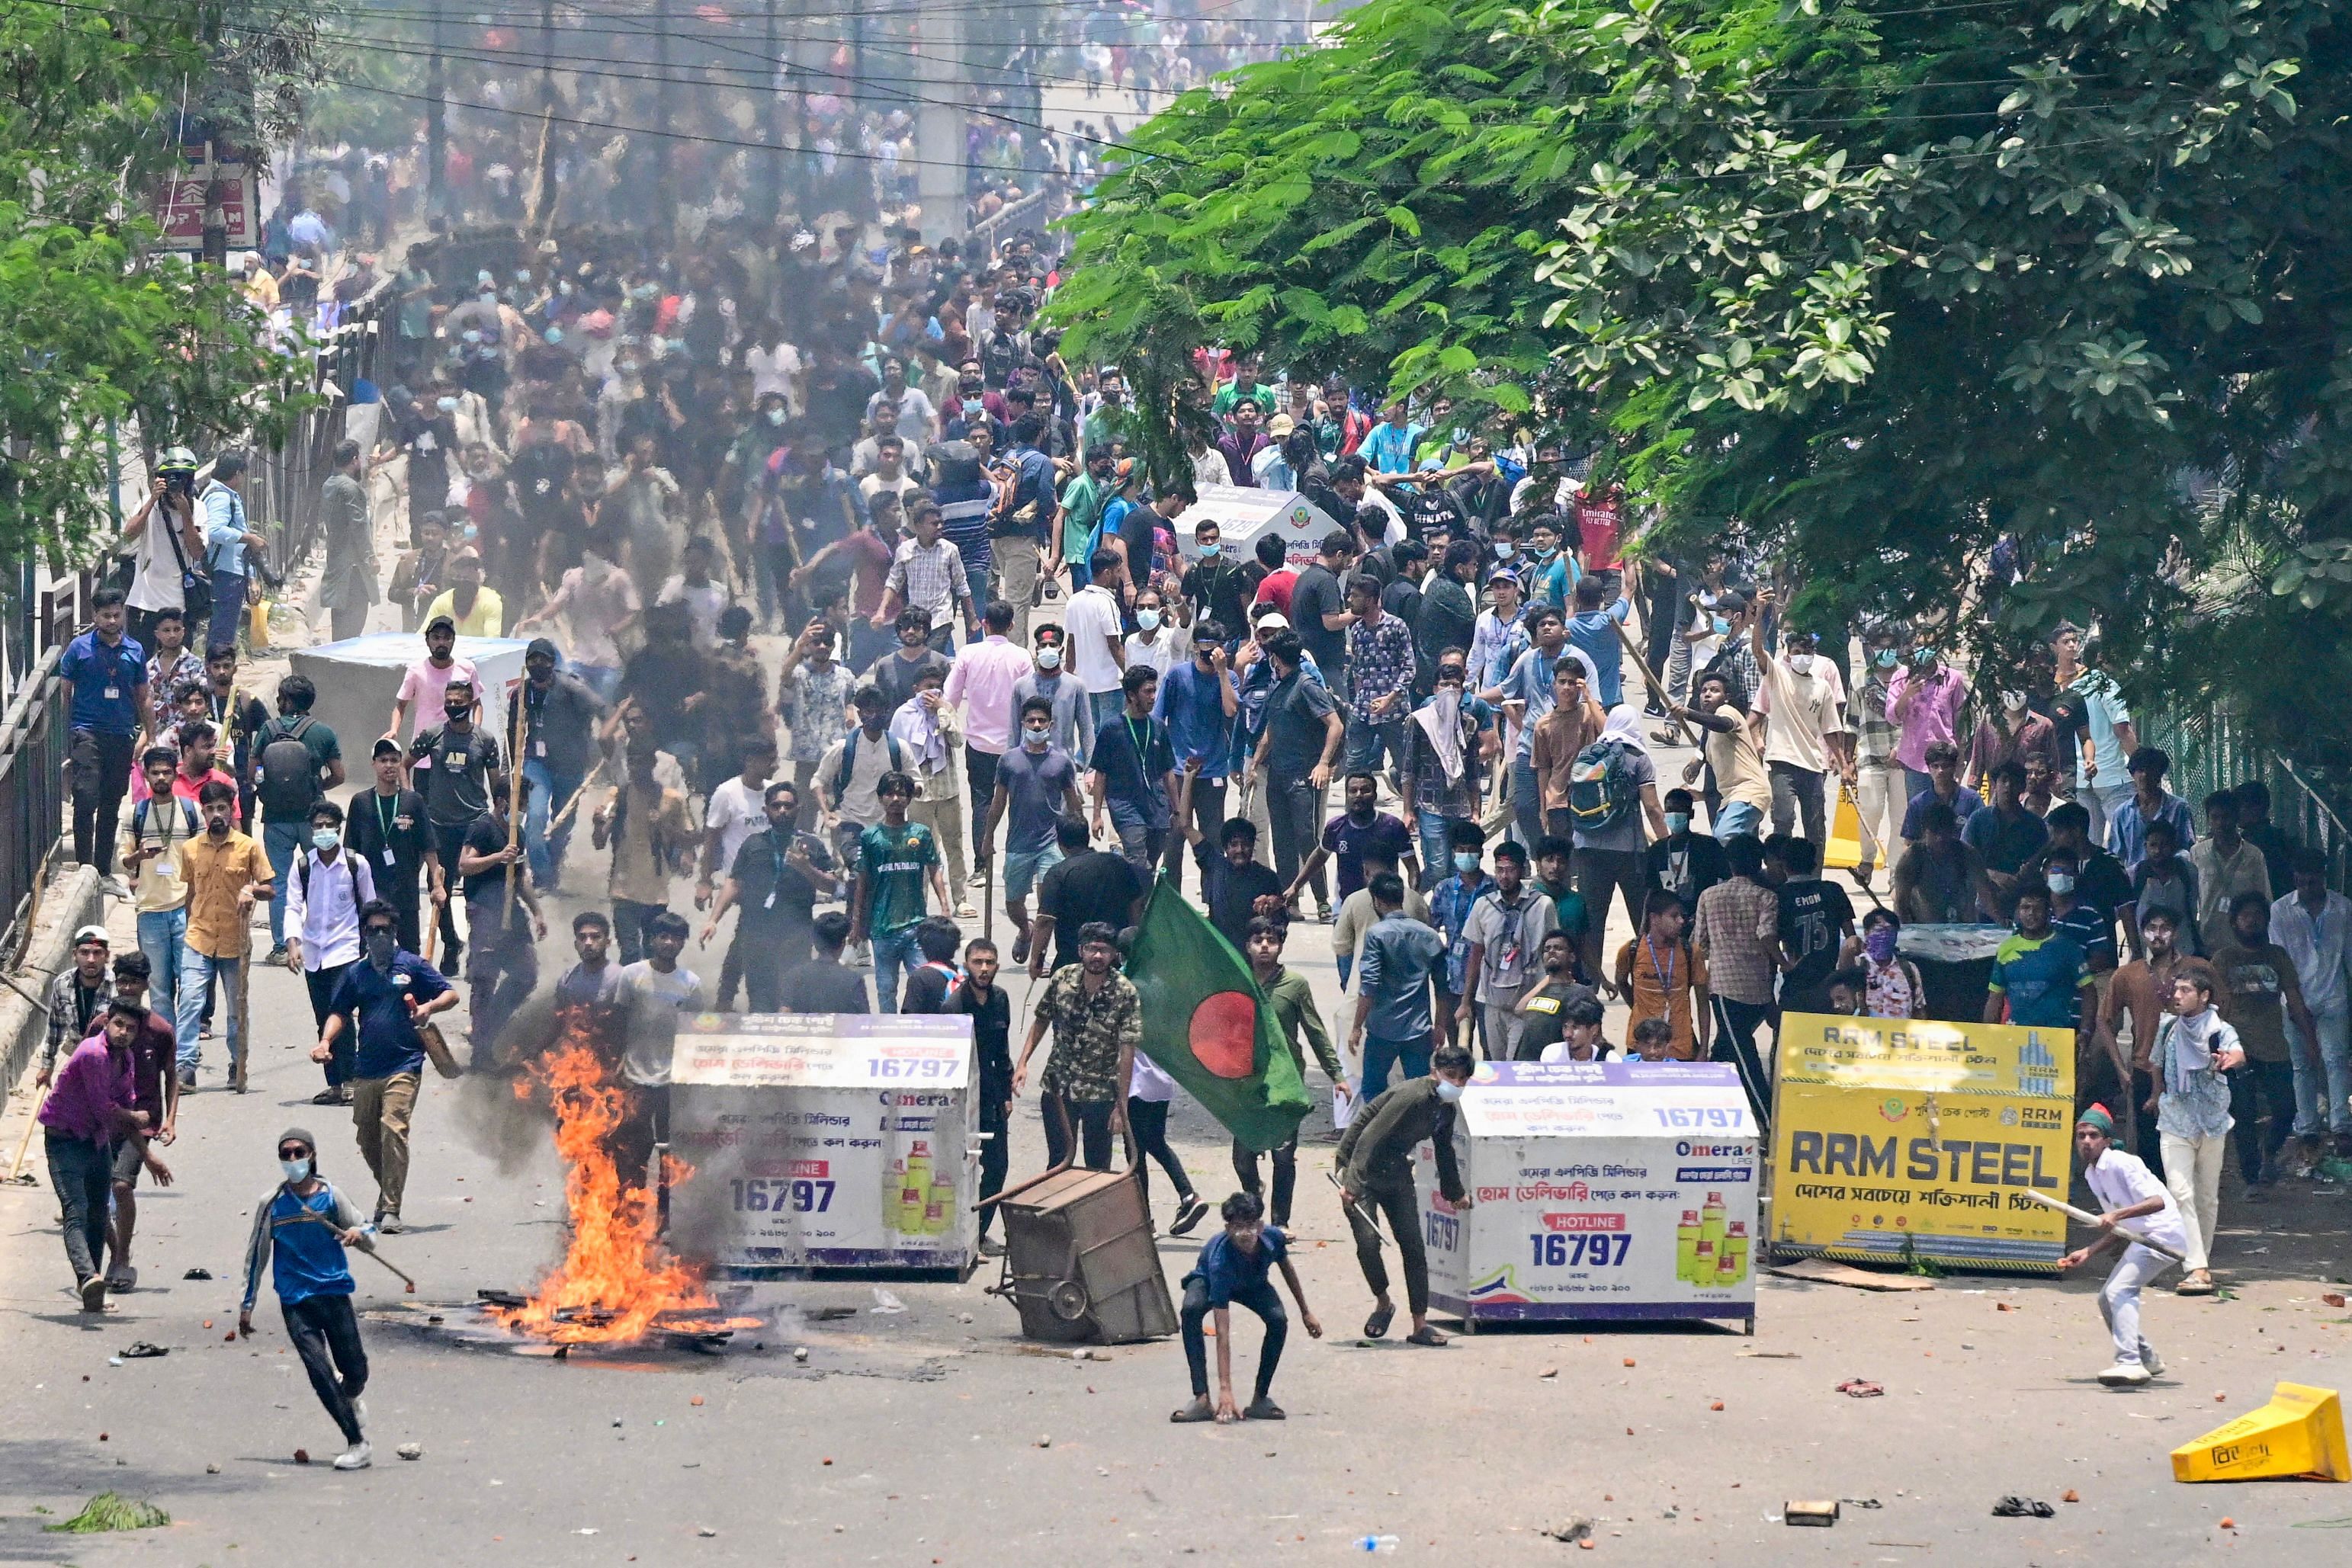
[(1869, 286), (96, 327)]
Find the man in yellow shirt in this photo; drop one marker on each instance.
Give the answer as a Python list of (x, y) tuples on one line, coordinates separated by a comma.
[(225, 872), (476, 612)]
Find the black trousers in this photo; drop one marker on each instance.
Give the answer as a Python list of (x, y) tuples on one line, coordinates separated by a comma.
[(1285, 1175), (326, 1335), (1091, 1120), (1395, 1200), (769, 951), (2151, 1141), (323, 984), (1735, 1024), (1295, 809), (995, 1150), (629, 918), (979, 772), (1208, 815), (100, 767), (645, 1125), (2257, 1087), (1148, 1119), (405, 903), (1259, 1298), (449, 842)]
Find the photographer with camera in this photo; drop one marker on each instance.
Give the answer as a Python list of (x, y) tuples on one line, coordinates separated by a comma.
[(167, 558)]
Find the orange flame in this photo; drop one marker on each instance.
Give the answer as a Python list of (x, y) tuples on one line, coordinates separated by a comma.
[(616, 1282)]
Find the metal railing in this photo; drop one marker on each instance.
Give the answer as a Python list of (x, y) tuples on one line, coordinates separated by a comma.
[(2209, 752), (33, 736)]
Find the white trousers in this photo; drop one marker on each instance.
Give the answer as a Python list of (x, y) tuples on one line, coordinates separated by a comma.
[(2192, 1169), (2120, 1299)]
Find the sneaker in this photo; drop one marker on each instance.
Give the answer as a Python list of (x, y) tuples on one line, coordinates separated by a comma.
[(989, 1246), (2123, 1375), (112, 887), (93, 1293), (358, 1456), (2150, 1360), (1193, 1211), (390, 1225), (276, 956), (327, 1097)]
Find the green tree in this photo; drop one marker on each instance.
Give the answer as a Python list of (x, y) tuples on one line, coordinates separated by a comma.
[(97, 328)]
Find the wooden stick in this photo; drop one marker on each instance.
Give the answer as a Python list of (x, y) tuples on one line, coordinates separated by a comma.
[(514, 803), (243, 1014), (1657, 688), (22, 1149), (2125, 1231), (563, 818), (307, 1218)]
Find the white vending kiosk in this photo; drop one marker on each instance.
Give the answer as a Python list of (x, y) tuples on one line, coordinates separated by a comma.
[(1618, 1189), (824, 1141)]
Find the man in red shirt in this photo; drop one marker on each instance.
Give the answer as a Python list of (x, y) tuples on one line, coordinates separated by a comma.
[(1599, 519), (1280, 578)]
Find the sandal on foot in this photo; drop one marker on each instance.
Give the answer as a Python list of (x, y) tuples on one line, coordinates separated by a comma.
[(1430, 1337), (1377, 1326), (1264, 1410), (1198, 1411)]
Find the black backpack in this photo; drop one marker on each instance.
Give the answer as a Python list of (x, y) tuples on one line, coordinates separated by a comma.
[(849, 761), (285, 775)]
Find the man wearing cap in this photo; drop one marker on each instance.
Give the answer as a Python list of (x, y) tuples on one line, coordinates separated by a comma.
[(560, 717), (2129, 1194), (77, 996), (422, 687), (300, 1227)]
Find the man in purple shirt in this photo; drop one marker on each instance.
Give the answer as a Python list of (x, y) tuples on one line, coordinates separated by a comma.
[(1242, 444), (1924, 700), (88, 1111)]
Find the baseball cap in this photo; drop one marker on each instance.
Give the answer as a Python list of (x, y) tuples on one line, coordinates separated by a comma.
[(91, 934)]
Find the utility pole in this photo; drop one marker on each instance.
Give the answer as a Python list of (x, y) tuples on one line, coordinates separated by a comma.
[(944, 81), (772, 126), (543, 184), (436, 115), (666, 198)]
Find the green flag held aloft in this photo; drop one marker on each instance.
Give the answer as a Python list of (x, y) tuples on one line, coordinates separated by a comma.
[(1206, 1025)]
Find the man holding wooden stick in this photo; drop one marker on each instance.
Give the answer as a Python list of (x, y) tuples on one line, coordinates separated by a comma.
[(2127, 1191)]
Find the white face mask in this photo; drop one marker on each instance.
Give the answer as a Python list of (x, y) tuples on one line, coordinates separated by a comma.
[(295, 1170), (1803, 664), (2014, 701), (1049, 659), (1148, 618), (1448, 1090), (1035, 740)]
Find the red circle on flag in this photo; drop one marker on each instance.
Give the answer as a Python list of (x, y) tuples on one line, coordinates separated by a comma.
[(1224, 1034)]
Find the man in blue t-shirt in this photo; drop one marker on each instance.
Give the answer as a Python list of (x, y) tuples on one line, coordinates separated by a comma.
[(1593, 631), (1134, 777), (388, 996), (1237, 1266), (2038, 974), (104, 693), (1197, 703)]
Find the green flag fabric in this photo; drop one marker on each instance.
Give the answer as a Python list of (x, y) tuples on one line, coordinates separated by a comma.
[(1208, 1027)]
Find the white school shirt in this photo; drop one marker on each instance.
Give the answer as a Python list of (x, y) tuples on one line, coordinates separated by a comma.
[(2120, 1180), (326, 912)]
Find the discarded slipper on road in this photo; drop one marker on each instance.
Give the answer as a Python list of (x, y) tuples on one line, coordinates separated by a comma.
[(2022, 1508), (140, 1349), (1858, 1388)]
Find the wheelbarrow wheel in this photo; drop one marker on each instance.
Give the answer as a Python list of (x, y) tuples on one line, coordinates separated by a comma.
[(1068, 1300)]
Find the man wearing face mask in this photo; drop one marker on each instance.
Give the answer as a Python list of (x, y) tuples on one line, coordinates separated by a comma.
[(386, 996), (1923, 699), (1073, 728), (1684, 862), (464, 766), (2016, 733), (300, 1230), (1805, 700), (326, 889), (1197, 702), (1375, 1159), (1220, 587), (1037, 790), (1881, 791)]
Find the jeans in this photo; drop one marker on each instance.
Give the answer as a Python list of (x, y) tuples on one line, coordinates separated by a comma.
[(81, 1173), (1736, 818), (2322, 1092), (162, 937), (381, 1109), (1370, 740), (895, 952), (1294, 809), (1735, 1024), (1379, 1055), (1527, 803), (1260, 1298), (1101, 708), (99, 765), (1144, 847), (1147, 1120), (2119, 1299), (326, 1335), (1285, 1175), (197, 971), (229, 610), (2102, 800), (450, 842), (1395, 1199), (2192, 1169), (550, 791), (629, 918), (1436, 855), (1091, 1119), (281, 841), (2257, 1087), (1914, 782), (1799, 794)]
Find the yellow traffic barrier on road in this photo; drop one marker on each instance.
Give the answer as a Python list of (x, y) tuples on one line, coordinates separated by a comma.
[(2299, 1433)]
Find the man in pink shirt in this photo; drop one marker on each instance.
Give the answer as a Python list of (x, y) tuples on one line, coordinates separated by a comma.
[(981, 682), (1924, 699), (422, 688)]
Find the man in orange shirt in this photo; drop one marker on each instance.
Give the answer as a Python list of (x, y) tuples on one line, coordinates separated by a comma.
[(1574, 723), (1663, 975), (225, 871)]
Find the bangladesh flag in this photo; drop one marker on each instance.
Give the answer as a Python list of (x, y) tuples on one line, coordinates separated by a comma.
[(1206, 1025)]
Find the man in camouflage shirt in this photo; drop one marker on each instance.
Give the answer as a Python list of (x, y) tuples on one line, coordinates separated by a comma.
[(1098, 1020)]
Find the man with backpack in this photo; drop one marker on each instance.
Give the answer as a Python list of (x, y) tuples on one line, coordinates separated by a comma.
[(296, 760), (1574, 723), (328, 889), (1612, 791), (851, 768)]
